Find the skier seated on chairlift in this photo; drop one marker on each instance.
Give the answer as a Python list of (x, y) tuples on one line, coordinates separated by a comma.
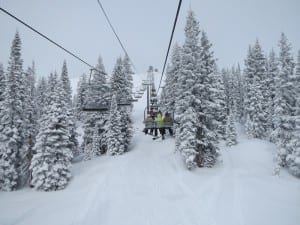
[(168, 123), (151, 113), (160, 124), (149, 125)]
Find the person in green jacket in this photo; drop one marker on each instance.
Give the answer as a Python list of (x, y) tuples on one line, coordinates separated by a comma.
[(160, 124)]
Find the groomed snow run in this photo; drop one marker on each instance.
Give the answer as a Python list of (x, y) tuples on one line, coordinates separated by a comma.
[(151, 186)]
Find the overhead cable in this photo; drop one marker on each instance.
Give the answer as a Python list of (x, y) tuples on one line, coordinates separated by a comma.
[(170, 42), (48, 39), (114, 31)]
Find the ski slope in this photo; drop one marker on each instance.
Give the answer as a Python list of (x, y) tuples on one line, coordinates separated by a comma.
[(151, 186)]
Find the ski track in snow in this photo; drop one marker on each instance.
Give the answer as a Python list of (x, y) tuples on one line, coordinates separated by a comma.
[(151, 186)]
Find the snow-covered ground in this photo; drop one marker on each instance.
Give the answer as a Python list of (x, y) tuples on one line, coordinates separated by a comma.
[(151, 186)]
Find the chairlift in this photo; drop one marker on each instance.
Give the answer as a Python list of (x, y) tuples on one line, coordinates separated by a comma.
[(154, 124), (105, 106)]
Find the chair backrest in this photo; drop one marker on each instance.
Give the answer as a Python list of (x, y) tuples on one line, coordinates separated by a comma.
[(168, 124)]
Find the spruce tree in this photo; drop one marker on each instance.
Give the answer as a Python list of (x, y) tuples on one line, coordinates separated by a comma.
[(41, 98), (172, 74), (67, 97), (119, 83), (208, 104), (126, 120), (128, 75), (115, 138), (228, 81), (239, 95), (196, 93), (66, 84), (186, 100), (2, 83), (98, 93), (12, 150), (293, 158), (230, 131), (284, 102), (256, 94), (53, 151), (81, 96), (273, 72), (186, 138), (30, 117), (218, 95)]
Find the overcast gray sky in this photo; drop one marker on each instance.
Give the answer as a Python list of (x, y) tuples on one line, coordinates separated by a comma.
[(144, 27)]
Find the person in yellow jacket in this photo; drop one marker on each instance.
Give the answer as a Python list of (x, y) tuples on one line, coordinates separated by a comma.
[(160, 124)]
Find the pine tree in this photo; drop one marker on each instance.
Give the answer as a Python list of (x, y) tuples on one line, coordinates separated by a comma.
[(239, 95), (92, 150), (228, 81), (196, 93), (30, 117), (185, 98), (81, 96), (218, 95), (230, 131), (208, 95), (126, 121), (128, 75), (98, 93), (293, 159), (41, 98), (119, 83), (66, 86), (12, 151), (273, 72), (256, 97), (115, 138), (173, 71), (284, 103), (53, 151), (2, 83), (186, 137)]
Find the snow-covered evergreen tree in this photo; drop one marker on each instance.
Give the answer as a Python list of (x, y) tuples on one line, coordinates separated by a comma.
[(272, 76), (119, 83), (30, 117), (67, 97), (293, 158), (170, 87), (230, 131), (126, 120), (218, 96), (115, 138), (2, 83), (284, 103), (41, 96), (12, 148), (128, 75), (98, 94), (186, 99), (53, 151), (208, 96), (227, 77), (126, 128), (66, 83), (256, 92), (121, 87), (239, 94), (196, 93), (81, 96), (186, 138)]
